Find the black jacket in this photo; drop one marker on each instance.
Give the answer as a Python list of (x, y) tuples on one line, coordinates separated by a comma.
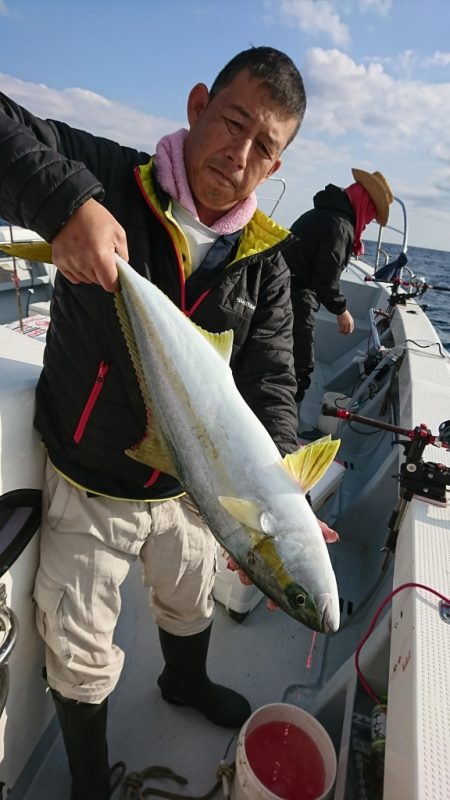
[(89, 407), (325, 237)]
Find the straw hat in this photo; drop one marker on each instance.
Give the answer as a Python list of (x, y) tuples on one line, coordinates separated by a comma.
[(379, 190)]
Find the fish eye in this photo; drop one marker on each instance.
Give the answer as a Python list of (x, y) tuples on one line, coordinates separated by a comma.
[(299, 600)]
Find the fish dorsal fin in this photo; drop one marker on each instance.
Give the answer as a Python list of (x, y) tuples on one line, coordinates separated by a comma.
[(30, 251), (248, 513), (307, 465), (130, 340), (152, 449), (222, 342)]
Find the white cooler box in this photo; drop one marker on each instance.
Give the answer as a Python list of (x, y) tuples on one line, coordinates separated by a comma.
[(239, 599)]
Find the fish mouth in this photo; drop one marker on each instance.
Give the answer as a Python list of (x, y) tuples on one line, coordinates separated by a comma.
[(329, 620), (319, 613)]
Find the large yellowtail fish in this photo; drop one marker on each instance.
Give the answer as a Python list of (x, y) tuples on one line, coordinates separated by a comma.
[(202, 432)]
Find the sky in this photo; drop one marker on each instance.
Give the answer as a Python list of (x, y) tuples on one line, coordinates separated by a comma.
[(376, 74)]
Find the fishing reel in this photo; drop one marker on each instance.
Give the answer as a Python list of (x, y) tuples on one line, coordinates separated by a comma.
[(444, 433), (416, 286), (426, 480)]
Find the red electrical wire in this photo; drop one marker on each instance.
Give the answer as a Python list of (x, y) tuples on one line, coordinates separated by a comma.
[(411, 585)]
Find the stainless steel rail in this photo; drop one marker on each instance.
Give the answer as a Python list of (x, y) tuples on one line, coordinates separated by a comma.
[(9, 630)]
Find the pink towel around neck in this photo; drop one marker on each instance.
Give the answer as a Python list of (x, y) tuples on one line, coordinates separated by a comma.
[(365, 212), (171, 173)]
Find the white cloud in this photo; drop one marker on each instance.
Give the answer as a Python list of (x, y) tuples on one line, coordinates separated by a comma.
[(402, 65), (380, 6), (316, 17), (407, 61), (321, 17), (3, 8), (345, 96), (442, 181), (361, 115), (441, 152), (358, 115), (438, 59), (84, 109)]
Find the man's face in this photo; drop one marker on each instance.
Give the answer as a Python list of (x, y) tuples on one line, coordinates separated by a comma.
[(234, 143)]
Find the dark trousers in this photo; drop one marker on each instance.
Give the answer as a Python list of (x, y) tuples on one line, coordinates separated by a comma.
[(304, 306)]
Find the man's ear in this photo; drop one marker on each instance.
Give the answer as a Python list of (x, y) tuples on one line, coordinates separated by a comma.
[(274, 168), (197, 102)]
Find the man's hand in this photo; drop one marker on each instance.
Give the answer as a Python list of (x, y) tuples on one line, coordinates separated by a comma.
[(84, 249), (271, 605), (328, 534), (345, 323)]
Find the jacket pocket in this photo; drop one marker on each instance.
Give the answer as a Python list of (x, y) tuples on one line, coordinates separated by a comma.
[(91, 401)]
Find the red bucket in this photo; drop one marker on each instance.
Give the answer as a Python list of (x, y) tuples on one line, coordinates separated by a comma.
[(283, 753)]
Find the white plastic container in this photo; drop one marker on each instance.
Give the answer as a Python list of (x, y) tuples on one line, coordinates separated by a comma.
[(246, 786), (231, 592)]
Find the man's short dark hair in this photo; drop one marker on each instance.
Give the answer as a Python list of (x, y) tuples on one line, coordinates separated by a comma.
[(278, 73)]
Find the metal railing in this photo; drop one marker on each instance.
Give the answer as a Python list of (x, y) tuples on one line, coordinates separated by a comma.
[(9, 630)]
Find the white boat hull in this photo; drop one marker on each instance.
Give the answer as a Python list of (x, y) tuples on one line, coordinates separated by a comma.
[(28, 709)]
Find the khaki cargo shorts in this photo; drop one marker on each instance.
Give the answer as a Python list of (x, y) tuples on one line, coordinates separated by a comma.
[(87, 547)]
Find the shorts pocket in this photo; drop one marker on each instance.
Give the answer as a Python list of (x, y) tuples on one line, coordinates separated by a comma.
[(57, 501), (50, 617)]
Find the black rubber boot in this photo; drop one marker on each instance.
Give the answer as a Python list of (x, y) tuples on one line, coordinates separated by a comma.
[(83, 727), (184, 680)]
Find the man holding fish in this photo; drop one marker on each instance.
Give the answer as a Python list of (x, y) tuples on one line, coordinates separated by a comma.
[(186, 220)]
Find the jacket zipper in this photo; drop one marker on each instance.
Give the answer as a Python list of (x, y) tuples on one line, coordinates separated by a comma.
[(91, 401), (163, 222), (161, 218)]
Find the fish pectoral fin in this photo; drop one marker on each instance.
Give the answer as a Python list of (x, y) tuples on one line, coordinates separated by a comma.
[(307, 465), (222, 342), (153, 451), (30, 251), (249, 513)]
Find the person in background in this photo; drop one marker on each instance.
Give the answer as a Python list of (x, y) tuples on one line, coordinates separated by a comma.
[(187, 219), (326, 237)]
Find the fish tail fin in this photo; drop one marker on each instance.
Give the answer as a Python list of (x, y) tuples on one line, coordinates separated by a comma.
[(30, 251), (307, 465)]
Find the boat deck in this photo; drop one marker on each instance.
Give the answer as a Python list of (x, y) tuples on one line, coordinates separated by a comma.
[(262, 658)]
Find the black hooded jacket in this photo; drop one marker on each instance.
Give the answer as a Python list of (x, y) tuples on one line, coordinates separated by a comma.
[(89, 408), (323, 246)]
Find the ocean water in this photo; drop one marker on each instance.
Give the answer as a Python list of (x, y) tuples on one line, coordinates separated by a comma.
[(434, 266)]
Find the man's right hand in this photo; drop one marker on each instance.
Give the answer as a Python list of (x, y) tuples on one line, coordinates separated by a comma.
[(345, 323), (84, 249)]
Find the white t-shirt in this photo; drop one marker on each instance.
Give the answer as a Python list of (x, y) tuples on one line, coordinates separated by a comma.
[(200, 238)]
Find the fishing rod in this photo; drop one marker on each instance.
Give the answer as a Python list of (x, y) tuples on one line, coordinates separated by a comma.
[(417, 286), (427, 480)]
